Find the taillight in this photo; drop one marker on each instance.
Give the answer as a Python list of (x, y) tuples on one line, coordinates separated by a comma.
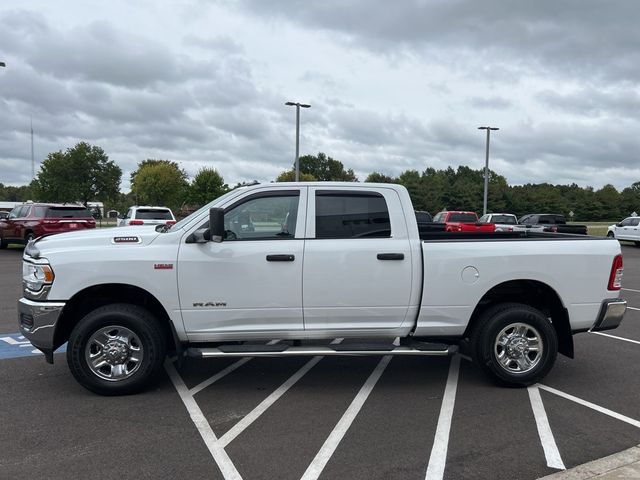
[(171, 222), (136, 222), (615, 278), (459, 228)]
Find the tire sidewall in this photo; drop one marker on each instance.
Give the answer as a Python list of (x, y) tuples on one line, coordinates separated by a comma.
[(136, 319), (499, 320)]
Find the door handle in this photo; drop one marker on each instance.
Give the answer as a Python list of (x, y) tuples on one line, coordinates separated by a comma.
[(281, 258), (391, 256)]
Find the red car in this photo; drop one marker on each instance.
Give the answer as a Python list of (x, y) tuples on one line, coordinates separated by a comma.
[(31, 220), (456, 221)]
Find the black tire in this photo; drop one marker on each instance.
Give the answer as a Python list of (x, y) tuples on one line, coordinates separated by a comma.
[(28, 237), (610, 235), (637, 244), (496, 359), (3, 243), (148, 337)]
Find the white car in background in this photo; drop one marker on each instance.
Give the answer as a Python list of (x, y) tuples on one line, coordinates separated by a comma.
[(504, 222), (146, 215), (627, 229)]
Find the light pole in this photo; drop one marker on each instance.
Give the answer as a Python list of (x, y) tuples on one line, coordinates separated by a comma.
[(486, 168), (297, 105)]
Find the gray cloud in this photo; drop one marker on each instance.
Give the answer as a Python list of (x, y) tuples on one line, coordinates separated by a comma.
[(588, 37)]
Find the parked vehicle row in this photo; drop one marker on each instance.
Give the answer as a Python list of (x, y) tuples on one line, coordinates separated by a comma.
[(31, 220), (462, 221), (549, 222)]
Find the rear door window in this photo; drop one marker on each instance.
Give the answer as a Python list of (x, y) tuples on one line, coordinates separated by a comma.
[(67, 212), (351, 215), (463, 217), (504, 219), (153, 214)]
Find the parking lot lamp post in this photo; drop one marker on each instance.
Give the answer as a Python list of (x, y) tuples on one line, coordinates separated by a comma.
[(486, 168), (298, 106)]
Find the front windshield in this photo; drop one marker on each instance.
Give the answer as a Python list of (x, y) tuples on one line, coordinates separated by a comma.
[(197, 213)]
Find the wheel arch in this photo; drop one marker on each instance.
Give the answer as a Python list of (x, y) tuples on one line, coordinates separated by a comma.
[(536, 294), (97, 296)]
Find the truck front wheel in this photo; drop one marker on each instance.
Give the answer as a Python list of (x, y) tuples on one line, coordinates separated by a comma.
[(515, 344), (116, 349)]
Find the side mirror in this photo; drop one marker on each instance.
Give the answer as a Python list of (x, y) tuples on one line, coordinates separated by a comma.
[(216, 224), (618, 224)]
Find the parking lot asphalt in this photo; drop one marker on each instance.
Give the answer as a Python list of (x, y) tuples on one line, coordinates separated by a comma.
[(337, 417)]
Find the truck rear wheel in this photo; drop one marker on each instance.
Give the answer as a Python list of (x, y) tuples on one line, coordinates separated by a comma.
[(515, 344), (116, 349)]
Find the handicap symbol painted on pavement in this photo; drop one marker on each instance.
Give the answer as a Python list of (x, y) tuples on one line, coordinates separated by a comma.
[(14, 345)]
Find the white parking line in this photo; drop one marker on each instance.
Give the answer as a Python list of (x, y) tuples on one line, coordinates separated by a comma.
[(633, 308), (224, 372), (617, 338), (335, 437), (551, 452), (438, 458), (631, 290), (593, 406), (228, 469), (252, 416)]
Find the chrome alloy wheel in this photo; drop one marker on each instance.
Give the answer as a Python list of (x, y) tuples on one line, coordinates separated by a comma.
[(518, 348), (114, 353)]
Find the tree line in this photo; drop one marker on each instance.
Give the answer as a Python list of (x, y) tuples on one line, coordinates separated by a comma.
[(85, 173)]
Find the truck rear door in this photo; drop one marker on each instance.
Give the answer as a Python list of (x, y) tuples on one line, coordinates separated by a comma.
[(357, 262)]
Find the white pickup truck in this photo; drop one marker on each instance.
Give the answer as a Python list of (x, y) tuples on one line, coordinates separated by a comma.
[(311, 262)]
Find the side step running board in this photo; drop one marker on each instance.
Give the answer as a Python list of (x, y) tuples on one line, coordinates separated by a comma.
[(435, 349)]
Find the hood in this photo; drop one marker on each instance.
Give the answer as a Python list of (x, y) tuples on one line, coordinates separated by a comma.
[(92, 239)]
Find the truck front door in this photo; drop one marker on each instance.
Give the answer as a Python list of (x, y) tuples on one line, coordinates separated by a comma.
[(357, 264), (251, 283)]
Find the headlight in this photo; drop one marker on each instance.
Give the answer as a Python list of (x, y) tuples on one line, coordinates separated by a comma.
[(35, 276)]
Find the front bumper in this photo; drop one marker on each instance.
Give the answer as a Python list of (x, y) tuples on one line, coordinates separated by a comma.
[(610, 315), (38, 323)]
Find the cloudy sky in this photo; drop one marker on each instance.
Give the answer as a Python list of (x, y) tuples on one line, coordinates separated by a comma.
[(393, 85)]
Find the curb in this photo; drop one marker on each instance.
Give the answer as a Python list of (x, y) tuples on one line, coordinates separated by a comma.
[(622, 465)]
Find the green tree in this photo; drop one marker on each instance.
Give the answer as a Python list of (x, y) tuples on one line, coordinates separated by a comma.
[(15, 194), (206, 185), (325, 169), (154, 161), (377, 177), (82, 173), (290, 176), (630, 199), (159, 182)]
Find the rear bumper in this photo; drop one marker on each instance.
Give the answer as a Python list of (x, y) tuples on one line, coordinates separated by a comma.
[(38, 322), (610, 316)]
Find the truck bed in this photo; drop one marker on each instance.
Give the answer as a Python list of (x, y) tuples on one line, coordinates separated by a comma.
[(433, 236)]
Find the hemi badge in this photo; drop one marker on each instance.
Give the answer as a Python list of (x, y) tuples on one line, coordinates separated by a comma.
[(163, 266), (126, 240)]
